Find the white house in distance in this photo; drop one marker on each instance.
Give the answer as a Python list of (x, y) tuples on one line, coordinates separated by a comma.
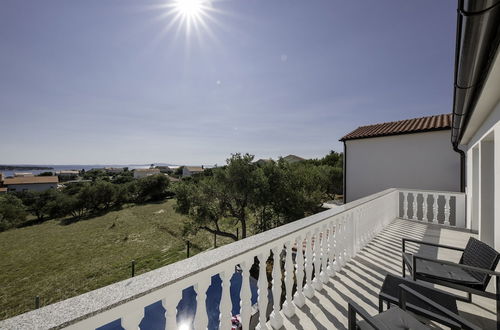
[(192, 170), (412, 154), (114, 170), (68, 174), (33, 183), (140, 173)]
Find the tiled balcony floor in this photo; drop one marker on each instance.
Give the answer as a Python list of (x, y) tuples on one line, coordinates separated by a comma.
[(362, 278)]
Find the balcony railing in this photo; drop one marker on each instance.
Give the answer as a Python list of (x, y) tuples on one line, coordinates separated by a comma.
[(303, 256), (437, 207)]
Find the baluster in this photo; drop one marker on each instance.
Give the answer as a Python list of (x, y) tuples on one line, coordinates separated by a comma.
[(338, 244), (344, 239), (170, 305), (358, 233), (331, 251), (131, 320), (435, 208), (262, 284), (424, 207), (288, 307), (341, 240), (414, 206), (308, 289), (299, 299), (317, 261), (447, 210), (276, 318), (245, 294), (348, 235), (324, 256), (201, 317), (225, 302), (405, 205)]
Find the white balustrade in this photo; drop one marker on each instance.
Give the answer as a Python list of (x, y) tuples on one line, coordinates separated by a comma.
[(447, 210), (424, 207), (324, 243), (225, 303), (262, 284), (170, 305), (414, 206), (201, 317), (245, 294), (308, 288), (436, 196), (276, 318), (318, 286), (132, 320), (435, 208), (324, 255), (405, 205), (299, 298), (331, 250), (288, 307)]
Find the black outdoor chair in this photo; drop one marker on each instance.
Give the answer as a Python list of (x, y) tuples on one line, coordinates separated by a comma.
[(397, 317), (471, 274)]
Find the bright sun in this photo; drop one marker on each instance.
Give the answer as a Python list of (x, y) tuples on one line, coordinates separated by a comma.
[(189, 15), (189, 8)]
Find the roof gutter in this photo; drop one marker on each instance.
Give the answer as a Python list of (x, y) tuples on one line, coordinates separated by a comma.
[(478, 38)]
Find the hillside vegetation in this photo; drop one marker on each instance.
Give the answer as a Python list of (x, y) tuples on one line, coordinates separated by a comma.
[(56, 261)]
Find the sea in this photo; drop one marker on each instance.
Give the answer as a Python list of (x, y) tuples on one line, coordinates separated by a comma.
[(56, 168)]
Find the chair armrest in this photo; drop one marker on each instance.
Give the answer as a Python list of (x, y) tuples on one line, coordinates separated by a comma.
[(430, 244), (353, 309), (405, 290), (450, 263)]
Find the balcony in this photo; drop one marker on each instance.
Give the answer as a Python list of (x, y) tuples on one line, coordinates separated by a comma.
[(339, 254)]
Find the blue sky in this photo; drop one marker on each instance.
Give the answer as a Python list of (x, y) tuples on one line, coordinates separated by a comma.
[(105, 81)]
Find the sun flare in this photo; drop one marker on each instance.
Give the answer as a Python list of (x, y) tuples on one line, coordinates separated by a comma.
[(190, 17), (189, 8)]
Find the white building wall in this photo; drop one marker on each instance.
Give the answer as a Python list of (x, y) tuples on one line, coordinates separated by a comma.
[(483, 179), (423, 161)]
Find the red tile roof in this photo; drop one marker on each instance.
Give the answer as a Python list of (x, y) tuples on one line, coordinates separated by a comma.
[(423, 124)]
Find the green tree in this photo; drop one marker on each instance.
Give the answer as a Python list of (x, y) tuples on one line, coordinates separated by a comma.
[(12, 211), (153, 187), (226, 195), (37, 202)]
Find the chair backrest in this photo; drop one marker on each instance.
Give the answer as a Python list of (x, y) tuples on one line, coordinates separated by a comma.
[(481, 255)]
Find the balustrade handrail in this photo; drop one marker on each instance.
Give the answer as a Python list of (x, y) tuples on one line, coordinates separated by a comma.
[(82, 307), (436, 192)]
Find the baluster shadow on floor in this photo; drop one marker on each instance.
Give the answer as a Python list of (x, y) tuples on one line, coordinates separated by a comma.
[(361, 279)]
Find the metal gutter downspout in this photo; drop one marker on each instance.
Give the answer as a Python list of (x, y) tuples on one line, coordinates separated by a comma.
[(344, 188), (462, 167), (478, 38)]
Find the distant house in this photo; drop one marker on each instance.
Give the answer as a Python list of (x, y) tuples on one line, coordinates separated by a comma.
[(23, 174), (411, 154), (33, 183), (188, 171), (165, 169), (262, 161), (140, 173), (293, 159), (114, 170), (3, 190), (65, 175)]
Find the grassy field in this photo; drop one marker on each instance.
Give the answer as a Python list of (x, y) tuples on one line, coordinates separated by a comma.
[(56, 261)]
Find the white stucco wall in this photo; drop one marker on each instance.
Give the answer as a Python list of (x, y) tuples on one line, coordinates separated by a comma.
[(419, 161), (483, 179)]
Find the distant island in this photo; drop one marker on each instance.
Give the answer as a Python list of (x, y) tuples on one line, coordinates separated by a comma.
[(15, 167)]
